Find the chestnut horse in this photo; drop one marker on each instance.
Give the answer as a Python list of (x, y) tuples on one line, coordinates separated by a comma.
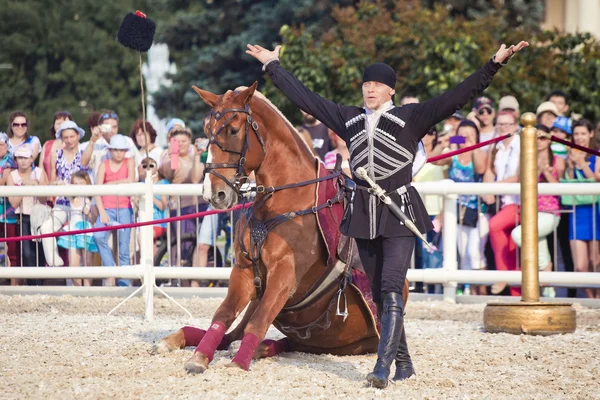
[(248, 134)]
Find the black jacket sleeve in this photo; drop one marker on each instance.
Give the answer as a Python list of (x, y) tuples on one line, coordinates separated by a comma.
[(433, 111), (326, 111)]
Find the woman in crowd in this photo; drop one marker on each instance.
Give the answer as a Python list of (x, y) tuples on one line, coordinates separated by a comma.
[(469, 167), (26, 175), (177, 166), (64, 163), (52, 146), (503, 166), (18, 133), (115, 210), (148, 139), (430, 172), (584, 230), (8, 222), (550, 168)]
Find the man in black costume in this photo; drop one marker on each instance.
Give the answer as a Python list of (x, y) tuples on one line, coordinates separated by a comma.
[(383, 139)]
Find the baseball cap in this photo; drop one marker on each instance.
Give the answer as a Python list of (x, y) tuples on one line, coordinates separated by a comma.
[(3, 137), (547, 106), (483, 102), (564, 124), (508, 102), (69, 125), (118, 142)]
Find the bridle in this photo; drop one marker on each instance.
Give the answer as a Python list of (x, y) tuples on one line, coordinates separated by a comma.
[(240, 176)]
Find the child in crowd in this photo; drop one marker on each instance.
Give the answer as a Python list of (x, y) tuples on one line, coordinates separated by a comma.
[(82, 211), (26, 175), (115, 210)]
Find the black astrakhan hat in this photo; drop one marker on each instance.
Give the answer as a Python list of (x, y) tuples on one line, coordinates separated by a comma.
[(137, 31), (380, 72)]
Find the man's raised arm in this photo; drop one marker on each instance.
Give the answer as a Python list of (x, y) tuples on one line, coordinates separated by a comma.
[(326, 111)]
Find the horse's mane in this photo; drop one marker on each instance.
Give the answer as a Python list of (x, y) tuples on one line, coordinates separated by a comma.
[(258, 95)]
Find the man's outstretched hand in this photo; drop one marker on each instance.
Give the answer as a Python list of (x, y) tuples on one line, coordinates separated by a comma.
[(261, 54), (505, 53)]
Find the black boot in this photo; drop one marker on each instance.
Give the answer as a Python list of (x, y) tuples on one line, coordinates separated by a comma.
[(391, 329), (404, 367)]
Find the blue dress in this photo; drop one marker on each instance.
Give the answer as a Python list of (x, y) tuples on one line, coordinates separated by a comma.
[(584, 217)]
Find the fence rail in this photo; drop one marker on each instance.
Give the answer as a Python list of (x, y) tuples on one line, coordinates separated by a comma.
[(449, 275)]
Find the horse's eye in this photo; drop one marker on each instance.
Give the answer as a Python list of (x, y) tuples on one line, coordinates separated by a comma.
[(234, 131)]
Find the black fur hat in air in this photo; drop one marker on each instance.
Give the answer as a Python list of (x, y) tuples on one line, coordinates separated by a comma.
[(136, 31)]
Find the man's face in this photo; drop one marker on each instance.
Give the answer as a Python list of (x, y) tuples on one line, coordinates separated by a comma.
[(560, 103), (486, 115), (376, 94), (307, 118)]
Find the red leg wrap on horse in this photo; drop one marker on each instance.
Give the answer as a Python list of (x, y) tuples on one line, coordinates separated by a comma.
[(276, 346), (246, 352), (211, 340), (193, 336)]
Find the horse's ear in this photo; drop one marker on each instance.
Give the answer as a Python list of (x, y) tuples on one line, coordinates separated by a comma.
[(208, 97), (246, 95)]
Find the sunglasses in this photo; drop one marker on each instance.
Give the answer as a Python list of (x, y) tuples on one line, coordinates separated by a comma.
[(23, 125), (432, 133), (109, 116), (485, 111), (145, 166)]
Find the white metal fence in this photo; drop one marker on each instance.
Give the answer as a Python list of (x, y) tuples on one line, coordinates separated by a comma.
[(145, 271)]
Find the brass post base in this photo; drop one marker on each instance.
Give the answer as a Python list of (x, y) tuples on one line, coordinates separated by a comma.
[(533, 318)]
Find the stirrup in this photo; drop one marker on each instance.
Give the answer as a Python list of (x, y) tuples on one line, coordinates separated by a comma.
[(339, 312)]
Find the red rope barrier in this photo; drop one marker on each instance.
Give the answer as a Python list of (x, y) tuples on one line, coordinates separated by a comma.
[(124, 226), (466, 149), (575, 146)]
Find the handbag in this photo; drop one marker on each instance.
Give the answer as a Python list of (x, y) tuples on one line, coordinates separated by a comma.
[(467, 216), (578, 199)]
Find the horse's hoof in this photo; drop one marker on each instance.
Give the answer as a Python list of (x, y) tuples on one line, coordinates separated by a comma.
[(161, 347), (197, 364), (234, 365), (234, 347)]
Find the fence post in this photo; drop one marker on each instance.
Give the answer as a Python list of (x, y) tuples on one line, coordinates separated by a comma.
[(449, 240), (147, 247)]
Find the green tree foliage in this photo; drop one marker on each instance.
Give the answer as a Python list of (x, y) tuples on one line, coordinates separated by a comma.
[(433, 52), (63, 55), (207, 40)]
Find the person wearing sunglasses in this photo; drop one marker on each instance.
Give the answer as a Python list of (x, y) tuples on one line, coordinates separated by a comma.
[(18, 134), (150, 166), (485, 114)]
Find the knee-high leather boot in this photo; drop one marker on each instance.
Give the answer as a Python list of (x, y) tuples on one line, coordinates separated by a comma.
[(391, 329), (404, 367)]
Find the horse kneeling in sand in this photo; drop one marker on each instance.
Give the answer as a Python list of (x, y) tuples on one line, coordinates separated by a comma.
[(289, 271)]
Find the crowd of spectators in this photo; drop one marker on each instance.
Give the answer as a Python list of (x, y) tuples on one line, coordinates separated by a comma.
[(489, 231)]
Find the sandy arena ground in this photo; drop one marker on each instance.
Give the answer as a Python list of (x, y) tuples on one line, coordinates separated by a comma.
[(66, 348)]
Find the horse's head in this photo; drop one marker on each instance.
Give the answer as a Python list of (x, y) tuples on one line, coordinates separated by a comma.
[(236, 147)]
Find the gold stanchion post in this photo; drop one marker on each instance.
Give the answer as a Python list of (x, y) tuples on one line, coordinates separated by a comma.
[(530, 316)]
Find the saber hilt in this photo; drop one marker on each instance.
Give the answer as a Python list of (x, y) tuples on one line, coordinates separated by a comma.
[(380, 193)]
